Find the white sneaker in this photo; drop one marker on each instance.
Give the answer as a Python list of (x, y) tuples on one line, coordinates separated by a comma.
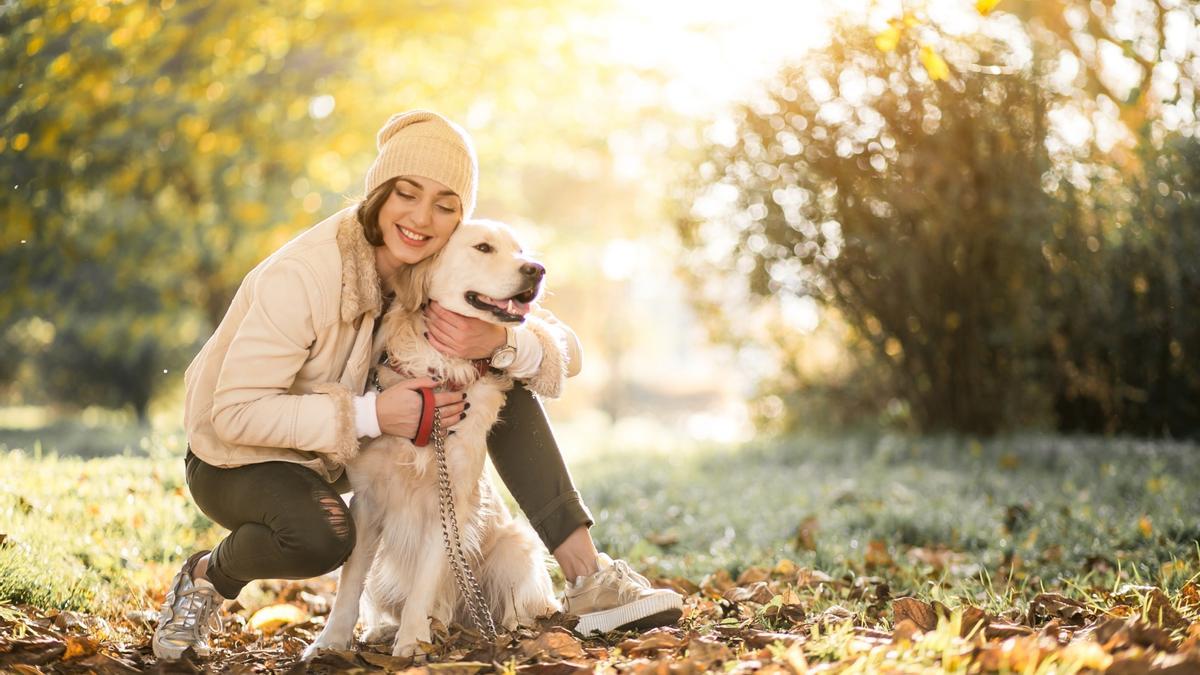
[(617, 597), (189, 613)]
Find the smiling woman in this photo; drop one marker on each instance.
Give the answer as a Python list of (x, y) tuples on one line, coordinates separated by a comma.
[(276, 402)]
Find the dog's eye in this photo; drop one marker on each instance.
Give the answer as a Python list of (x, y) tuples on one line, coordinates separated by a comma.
[(484, 247)]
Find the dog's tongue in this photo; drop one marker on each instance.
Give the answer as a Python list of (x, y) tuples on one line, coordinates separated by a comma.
[(510, 306)]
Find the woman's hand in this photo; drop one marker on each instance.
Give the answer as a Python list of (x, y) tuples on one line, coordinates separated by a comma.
[(462, 336), (399, 407)]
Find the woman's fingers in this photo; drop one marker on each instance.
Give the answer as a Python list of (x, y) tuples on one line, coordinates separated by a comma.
[(439, 335)]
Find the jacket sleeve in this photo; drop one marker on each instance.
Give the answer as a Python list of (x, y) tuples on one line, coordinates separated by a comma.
[(562, 355), (252, 404)]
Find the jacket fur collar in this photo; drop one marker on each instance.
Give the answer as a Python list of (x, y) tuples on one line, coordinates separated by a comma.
[(360, 281)]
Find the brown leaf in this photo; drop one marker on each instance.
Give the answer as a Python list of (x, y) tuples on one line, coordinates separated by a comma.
[(763, 638), (706, 652), (807, 578), (79, 646), (877, 554), (806, 535), (756, 592), (919, 612), (1189, 595), (834, 614), (793, 612), (1147, 635), (680, 585), (1002, 631), (717, 583), (906, 631), (553, 668), (652, 641), (386, 661), (752, 575), (1161, 612), (1133, 665), (556, 643), (1046, 606), (974, 620)]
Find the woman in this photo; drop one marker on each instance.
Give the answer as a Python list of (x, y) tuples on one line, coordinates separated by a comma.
[(275, 404)]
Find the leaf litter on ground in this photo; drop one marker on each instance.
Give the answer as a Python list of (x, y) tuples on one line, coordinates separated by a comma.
[(786, 619)]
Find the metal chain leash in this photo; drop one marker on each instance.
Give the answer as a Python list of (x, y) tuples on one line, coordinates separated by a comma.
[(468, 585)]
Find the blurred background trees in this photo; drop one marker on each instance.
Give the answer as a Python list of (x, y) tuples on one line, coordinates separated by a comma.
[(1004, 219), (943, 215)]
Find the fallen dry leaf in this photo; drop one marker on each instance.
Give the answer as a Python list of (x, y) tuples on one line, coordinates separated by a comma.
[(919, 612), (906, 631), (805, 538), (272, 618), (1046, 606), (752, 575), (707, 652), (556, 643), (877, 555)]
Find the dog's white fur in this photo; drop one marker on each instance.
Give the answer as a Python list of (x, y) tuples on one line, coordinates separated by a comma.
[(399, 567)]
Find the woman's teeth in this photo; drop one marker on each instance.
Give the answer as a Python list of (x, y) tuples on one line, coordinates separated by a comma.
[(412, 235)]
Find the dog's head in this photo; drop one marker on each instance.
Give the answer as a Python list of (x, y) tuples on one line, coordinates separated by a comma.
[(483, 272)]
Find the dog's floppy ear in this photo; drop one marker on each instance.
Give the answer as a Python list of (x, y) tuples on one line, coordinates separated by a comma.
[(412, 284)]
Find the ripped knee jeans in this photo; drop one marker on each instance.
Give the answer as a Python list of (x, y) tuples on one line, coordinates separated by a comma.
[(285, 522)]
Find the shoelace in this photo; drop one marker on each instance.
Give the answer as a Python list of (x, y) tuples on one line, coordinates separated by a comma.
[(619, 569), (623, 569), (194, 603)]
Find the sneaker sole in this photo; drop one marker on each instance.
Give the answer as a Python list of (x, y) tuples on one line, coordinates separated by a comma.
[(173, 653), (651, 612)]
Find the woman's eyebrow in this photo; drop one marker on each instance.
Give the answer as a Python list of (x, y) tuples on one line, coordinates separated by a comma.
[(443, 193)]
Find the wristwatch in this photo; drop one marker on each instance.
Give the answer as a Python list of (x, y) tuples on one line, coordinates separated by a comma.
[(505, 354)]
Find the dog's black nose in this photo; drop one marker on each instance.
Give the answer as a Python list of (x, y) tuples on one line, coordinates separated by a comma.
[(533, 270)]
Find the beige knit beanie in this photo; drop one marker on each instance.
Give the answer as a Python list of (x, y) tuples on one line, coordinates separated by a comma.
[(423, 143)]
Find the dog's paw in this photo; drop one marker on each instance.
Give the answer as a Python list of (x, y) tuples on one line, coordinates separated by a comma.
[(407, 647), (323, 642), (384, 632)]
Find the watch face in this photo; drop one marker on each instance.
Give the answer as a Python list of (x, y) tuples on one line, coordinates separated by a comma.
[(504, 358)]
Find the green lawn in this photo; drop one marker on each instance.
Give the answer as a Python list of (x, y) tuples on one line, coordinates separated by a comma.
[(942, 518)]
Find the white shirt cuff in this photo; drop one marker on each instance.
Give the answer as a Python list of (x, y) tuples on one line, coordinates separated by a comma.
[(366, 420), (529, 354)]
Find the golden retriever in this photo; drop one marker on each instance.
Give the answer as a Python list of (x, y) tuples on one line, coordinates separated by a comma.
[(399, 567)]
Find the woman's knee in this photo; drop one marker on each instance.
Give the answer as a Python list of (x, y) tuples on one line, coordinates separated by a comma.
[(321, 544)]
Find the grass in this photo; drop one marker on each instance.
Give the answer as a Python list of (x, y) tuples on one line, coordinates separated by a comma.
[(944, 518)]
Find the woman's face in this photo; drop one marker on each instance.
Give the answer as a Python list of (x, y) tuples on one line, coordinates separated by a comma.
[(418, 217)]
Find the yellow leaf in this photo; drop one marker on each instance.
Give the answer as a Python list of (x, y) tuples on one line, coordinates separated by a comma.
[(934, 64), (1145, 527), (888, 39), (271, 619), (985, 7), (785, 568)]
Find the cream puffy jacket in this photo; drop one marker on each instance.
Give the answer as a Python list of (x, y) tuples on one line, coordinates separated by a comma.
[(276, 380)]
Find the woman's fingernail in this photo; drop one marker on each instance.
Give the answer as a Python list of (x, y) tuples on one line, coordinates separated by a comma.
[(427, 335), (466, 406)]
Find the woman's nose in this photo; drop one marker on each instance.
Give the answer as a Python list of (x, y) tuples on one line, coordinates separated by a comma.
[(422, 214)]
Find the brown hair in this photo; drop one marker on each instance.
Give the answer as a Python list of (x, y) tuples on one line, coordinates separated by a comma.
[(410, 281), (369, 208)]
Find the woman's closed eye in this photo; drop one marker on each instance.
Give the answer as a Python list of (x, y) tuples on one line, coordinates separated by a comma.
[(405, 195), (446, 209)]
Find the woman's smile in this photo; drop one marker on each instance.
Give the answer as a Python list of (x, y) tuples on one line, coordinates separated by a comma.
[(412, 237)]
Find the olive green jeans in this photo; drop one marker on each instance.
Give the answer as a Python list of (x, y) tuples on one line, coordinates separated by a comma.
[(286, 522)]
